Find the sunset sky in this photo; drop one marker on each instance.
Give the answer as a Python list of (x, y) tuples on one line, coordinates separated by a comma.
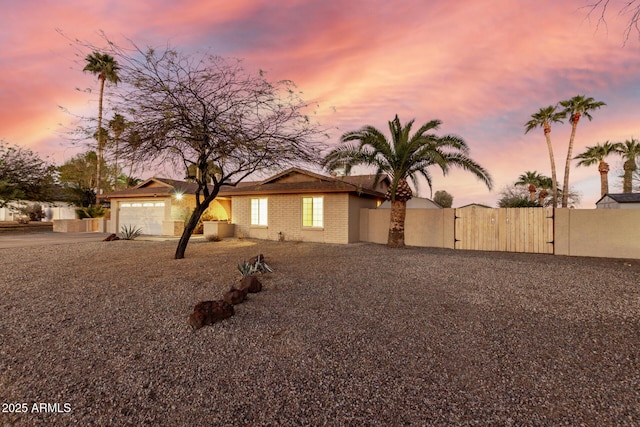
[(481, 66)]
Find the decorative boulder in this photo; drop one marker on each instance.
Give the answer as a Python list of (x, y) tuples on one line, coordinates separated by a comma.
[(207, 312), (111, 237), (235, 296), (251, 284)]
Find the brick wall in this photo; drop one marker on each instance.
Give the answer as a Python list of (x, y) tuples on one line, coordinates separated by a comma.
[(285, 216)]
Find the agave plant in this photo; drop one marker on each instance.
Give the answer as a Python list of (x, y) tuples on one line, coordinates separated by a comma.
[(262, 266), (130, 232), (246, 269)]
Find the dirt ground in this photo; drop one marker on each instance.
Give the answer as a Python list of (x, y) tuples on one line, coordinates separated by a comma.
[(340, 335)]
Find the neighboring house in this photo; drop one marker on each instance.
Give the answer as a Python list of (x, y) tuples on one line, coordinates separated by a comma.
[(160, 206), (304, 206), (475, 205), (293, 205), (619, 201), (53, 210), (414, 203)]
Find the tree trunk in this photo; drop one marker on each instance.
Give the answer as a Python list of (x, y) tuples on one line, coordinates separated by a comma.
[(189, 227), (554, 177), (100, 142), (627, 180), (603, 168), (396, 225), (532, 192), (567, 166)]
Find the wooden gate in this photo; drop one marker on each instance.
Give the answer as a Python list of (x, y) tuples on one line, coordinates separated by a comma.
[(504, 229)]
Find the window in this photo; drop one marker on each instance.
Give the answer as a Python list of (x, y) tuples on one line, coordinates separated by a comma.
[(312, 211), (259, 212)]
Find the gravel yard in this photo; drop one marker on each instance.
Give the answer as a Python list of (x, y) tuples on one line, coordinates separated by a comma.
[(340, 335)]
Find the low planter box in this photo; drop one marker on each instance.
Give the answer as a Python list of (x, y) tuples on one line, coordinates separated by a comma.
[(69, 226), (172, 228), (218, 228)]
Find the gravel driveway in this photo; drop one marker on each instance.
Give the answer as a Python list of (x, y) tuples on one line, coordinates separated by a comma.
[(96, 334)]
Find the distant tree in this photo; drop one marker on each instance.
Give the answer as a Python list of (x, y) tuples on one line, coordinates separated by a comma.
[(405, 156), (544, 118), (127, 181), (531, 180), (545, 185), (78, 177), (518, 195), (597, 154), (512, 196), (575, 108), (630, 151), (443, 198), (117, 125), (635, 180), (205, 110), (24, 175), (106, 68)]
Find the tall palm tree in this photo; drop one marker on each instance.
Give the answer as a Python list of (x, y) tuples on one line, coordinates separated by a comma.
[(106, 68), (544, 118), (597, 154), (575, 108), (630, 151), (403, 157), (117, 125), (533, 180)]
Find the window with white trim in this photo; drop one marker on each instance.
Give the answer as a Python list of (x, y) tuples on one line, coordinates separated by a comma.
[(313, 212), (259, 212)]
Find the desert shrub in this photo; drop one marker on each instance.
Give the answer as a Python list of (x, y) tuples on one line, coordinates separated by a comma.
[(213, 238), (93, 211), (33, 212)]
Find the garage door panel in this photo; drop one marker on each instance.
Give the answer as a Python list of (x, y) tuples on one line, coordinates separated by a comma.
[(147, 216)]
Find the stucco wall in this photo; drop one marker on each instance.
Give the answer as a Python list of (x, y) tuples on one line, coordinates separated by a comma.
[(355, 204), (284, 218), (612, 233), (423, 227)]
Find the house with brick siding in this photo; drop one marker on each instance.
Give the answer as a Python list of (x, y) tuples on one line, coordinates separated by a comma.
[(296, 205)]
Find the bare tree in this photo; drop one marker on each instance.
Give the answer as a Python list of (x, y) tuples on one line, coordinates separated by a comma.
[(208, 112), (631, 8)]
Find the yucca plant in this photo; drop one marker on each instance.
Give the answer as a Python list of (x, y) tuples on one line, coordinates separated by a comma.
[(130, 232)]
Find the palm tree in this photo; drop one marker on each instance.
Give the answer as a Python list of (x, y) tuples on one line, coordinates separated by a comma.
[(630, 151), (106, 68), (403, 157), (545, 184), (533, 180), (544, 118), (575, 107), (597, 154), (117, 125)]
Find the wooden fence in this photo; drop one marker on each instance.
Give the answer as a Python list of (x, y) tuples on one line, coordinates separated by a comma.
[(509, 230)]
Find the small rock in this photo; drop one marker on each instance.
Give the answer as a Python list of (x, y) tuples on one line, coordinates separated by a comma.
[(235, 296), (251, 284), (207, 312)]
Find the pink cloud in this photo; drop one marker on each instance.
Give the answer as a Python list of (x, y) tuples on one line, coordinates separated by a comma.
[(481, 67)]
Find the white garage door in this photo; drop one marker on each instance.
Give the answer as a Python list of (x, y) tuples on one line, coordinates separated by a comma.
[(147, 216)]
